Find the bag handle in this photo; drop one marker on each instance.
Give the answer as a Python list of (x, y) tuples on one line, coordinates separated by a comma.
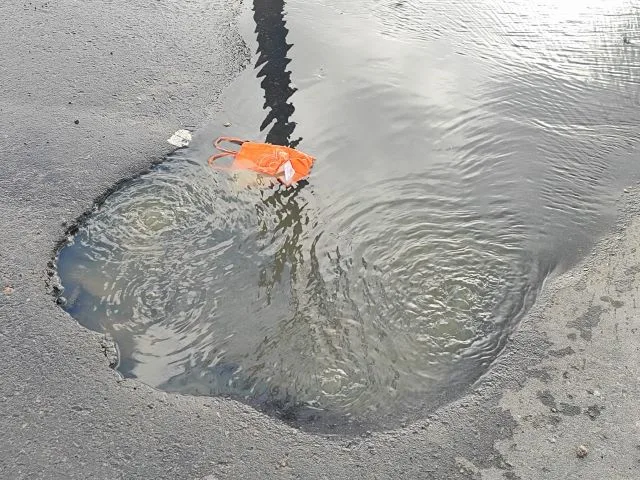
[(234, 140), (215, 157), (225, 152)]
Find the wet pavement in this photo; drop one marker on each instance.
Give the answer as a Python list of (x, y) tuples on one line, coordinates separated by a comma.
[(562, 382)]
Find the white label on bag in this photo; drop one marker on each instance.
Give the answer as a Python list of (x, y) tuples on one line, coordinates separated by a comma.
[(288, 172)]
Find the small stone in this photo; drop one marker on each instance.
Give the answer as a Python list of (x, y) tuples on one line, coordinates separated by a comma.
[(582, 451), (110, 350), (8, 290), (227, 124), (76, 121), (626, 190)]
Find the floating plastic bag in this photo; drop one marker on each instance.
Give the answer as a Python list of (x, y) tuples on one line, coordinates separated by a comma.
[(286, 164)]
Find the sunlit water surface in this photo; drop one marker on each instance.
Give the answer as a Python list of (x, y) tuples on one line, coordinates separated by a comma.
[(465, 150)]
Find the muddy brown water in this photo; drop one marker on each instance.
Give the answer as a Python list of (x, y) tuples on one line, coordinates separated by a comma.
[(466, 150)]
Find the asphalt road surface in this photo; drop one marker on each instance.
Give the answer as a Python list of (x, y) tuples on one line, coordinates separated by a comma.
[(89, 93)]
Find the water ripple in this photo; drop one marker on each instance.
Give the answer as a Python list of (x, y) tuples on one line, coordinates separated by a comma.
[(350, 308)]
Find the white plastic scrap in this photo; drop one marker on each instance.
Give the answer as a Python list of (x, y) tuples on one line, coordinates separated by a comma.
[(181, 138)]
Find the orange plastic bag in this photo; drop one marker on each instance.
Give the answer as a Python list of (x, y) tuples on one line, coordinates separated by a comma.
[(286, 164)]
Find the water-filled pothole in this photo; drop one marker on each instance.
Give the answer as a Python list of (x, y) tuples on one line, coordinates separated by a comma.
[(447, 186)]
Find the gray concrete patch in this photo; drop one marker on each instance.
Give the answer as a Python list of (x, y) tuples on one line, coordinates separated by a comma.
[(587, 321), (131, 74), (592, 373), (562, 352)]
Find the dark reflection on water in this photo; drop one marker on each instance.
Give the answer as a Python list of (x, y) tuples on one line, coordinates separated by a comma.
[(465, 150), (271, 32)]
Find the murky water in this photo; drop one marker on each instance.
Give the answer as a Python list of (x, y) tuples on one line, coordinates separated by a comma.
[(465, 150)]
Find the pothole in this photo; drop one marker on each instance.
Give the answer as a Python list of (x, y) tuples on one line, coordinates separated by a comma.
[(385, 286)]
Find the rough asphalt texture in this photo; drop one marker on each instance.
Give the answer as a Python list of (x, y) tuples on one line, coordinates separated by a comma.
[(562, 403)]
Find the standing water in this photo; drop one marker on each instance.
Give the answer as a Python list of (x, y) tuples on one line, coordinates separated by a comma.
[(465, 150)]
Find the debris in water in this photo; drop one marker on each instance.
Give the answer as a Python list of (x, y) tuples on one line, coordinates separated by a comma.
[(181, 138), (227, 124)]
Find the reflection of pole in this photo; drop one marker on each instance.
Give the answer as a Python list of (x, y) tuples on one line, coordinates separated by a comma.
[(273, 48), (276, 81)]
